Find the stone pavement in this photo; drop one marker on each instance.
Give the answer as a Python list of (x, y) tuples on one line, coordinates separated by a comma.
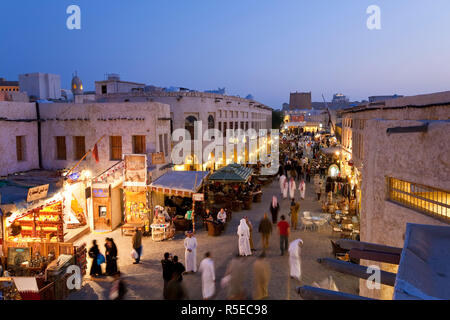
[(144, 281)]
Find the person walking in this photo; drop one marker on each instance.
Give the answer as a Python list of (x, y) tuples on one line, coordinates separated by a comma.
[(295, 207), (178, 268), (265, 228), (261, 277), (302, 188), (137, 244), (250, 228), (283, 230), (118, 288), (175, 289), (282, 181), (190, 253), (274, 208), (244, 239), (292, 188), (167, 271), (94, 251), (234, 278), (295, 250), (111, 257), (208, 277)]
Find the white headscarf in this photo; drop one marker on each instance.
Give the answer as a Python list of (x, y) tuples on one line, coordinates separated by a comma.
[(244, 227), (274, 202)]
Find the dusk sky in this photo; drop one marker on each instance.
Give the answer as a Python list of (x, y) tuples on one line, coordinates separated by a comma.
[(266, 48)]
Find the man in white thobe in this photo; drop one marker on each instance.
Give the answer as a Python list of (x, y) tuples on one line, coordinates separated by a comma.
[(302, 188), (244, 239), (295, 250), (208, 277), (292, 187), (190, 254)]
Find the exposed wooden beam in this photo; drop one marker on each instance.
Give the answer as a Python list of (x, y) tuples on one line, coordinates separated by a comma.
[(313, 293), (371, 255), (352, 244), (356, 270)]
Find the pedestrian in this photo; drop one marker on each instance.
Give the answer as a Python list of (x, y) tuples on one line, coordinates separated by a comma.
[(178, 267), (188, 217), (265, 228), (208, 277), (274, 208), (283, 230), (137, 244), (261, 274), (302, 188), (94, 251), (282, 181), (190, 253), (244, 239), (175, 289), (167, 271), (292, 187), (111, 257), (295, 250), (234, 278), (118, 289), (285, 189), (295, 207), (250, 227)]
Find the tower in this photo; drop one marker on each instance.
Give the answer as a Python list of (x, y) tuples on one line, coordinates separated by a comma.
[(77, 85)]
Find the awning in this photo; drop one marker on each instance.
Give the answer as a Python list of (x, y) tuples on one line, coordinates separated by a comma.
[(179, 183), (232, 173), (424, 271)]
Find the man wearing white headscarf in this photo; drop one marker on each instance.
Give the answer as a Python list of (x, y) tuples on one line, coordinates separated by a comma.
[(295, 250), (292, 187), (190, 254), (282, 180), (244, 239)]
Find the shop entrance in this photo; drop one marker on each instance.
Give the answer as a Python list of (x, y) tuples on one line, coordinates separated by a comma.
[(102, 210)]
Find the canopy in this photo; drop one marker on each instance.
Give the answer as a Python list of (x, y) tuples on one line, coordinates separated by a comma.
[(424, 271), (232, 173), (181, 183)]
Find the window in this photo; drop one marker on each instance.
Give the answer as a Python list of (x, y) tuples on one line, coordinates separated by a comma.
[(166, 144), (80, 147), (424, 199), (20, 148), (220, 126), (189, 125), (104, 89), (225, 124), (211, 124), (139, 145), (231, 125), (161, 145), (61, 152), (115, 143)]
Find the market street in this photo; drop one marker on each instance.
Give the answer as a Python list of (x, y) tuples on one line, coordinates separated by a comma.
[(144, 281)]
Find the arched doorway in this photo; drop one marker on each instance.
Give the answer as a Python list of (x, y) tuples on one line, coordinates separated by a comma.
[(189, 125)]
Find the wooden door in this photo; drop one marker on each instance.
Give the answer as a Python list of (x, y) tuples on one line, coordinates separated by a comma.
[(102, 214)]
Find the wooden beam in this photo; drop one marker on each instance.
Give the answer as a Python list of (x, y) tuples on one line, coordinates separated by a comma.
[(313, 293), (356, 270), (352, 244), (372, 255)]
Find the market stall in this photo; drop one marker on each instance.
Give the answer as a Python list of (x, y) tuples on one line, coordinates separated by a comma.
[(174, 190), (230, 184)]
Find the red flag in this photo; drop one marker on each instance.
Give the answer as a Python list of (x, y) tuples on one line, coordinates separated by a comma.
[(95, 153)]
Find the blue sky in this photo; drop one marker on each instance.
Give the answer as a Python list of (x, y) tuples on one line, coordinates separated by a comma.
[(263, 47)]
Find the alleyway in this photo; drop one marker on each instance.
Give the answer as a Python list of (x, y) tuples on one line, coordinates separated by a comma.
[(144, 281)]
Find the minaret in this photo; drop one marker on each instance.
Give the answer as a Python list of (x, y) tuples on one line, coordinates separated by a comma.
[(77, 85)]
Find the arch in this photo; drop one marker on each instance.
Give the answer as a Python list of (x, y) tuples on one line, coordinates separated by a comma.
[(189, 125)]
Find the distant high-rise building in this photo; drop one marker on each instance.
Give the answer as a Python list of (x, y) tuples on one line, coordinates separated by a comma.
[(114, 85), (300, 100), (339, 98)]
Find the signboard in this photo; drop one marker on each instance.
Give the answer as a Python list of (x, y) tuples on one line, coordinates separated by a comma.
[(298, 118), (37, 193), (135, 171), (198, 197), (158, 158), (100, 192)]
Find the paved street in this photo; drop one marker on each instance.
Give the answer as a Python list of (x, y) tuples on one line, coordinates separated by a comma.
[(144, 281)]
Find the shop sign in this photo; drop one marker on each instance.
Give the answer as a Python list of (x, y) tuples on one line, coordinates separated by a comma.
[(37, 193), (198, 197), (100, 193), (158, 158), (135, 170)]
